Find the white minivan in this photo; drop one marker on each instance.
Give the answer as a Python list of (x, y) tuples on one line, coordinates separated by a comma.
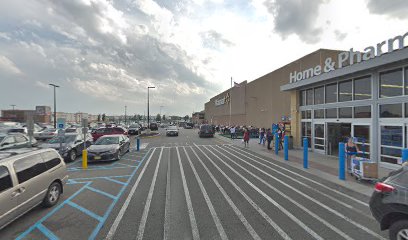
[(28, 178)]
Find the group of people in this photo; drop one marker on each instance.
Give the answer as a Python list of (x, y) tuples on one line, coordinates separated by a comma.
[(266, 136)]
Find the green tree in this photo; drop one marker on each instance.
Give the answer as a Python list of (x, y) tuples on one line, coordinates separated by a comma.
[(103, 117), (186, 118), (158, 118), (164, 117), (99, 117)]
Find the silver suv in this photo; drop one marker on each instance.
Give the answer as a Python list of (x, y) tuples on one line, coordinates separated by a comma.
[(27, 179)]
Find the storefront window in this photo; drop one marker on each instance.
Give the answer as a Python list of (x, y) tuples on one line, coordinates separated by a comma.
[(362, 134), (362, 112), (391, 110), (391, 143), (346, 112), (345, 91), (306, 132), (309, 97), (362, 88), (391, 83), (319, 113), (319, 136), (307, 114), (331, 113), (319, 95), (406, 81), (302, 96), (331, 93)]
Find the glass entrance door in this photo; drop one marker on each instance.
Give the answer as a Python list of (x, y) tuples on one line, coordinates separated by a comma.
[(337, 132)]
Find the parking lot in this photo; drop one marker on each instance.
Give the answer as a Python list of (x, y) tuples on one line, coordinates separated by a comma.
[(88, 199)]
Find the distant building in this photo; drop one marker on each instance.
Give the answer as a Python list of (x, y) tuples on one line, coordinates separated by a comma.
[(198, 117), (41, 114)]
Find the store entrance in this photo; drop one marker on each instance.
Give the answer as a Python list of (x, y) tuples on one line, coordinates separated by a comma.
[(336, 132)]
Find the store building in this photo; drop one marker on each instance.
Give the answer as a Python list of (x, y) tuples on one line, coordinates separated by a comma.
[(358, 94), (261, 103)]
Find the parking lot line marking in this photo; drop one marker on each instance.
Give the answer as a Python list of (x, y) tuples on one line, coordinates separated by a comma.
[(167, 204), (93, 169), (125, 205), (276, 204), (55, 209), (47, 232), (101, 192), (193, 221), (143, 221), (115, 181), (125, 164), (84, 210), (207, 199), (239, 214), (328, 225), (308, 179), (293, 179)]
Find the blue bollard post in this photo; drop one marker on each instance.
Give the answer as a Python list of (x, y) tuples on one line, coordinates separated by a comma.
[(305, 153), (286, 147), (404, 155), (138, 144), (342, 162), (277, 144)]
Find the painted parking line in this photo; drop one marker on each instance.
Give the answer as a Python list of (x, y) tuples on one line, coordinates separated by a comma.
[(68, 202)]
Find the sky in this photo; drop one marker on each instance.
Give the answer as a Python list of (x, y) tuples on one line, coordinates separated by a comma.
[(105, 53)]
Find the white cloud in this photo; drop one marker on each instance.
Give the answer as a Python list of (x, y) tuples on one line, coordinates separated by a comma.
[(8, 67)]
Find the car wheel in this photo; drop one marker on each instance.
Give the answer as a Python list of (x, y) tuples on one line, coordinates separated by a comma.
[(399, 230), (72, 155), (53, 195)]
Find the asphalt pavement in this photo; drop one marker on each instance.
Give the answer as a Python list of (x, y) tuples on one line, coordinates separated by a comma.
[(188, 187)]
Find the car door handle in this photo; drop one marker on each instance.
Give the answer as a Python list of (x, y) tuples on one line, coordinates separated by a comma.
[(18, 192)]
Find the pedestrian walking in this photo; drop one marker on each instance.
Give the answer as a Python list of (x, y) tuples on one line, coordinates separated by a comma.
[(351, 151), (261, 135), (269, 138), (246, 137), (232, 132)]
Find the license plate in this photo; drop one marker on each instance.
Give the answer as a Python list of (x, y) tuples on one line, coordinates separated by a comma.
[(97, 157)]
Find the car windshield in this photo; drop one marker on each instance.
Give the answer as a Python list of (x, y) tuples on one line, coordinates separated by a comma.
[(172, 128), (66, 139), (17, 130), (49, 130), (107, 141), (1, 138), (134, 126), (70, 130)]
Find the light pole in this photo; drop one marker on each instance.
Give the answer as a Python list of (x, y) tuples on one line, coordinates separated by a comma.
[(148, 110), (13, 105), (55, 104), (125, 114)]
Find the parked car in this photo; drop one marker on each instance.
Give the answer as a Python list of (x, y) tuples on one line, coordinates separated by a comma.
[(73, 130), (108, 148), (29, 178), (389, 204), (47, 134), (108, 131), (154, 126), (206, 130), (134, 129), (172, 131), (72, 145), (15, 140)]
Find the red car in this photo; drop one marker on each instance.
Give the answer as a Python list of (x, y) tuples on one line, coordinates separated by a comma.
[(108, 131)]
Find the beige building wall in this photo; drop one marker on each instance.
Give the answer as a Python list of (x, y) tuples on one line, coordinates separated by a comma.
[(260, 102)]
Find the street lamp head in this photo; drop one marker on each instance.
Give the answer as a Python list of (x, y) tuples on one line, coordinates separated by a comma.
[(151, 87), (51, 84)]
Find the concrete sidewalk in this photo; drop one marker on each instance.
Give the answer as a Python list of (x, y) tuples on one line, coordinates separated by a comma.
[(320, 165)]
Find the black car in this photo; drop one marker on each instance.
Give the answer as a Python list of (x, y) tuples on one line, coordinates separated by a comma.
[(389, 204), (206, 130), (134, 129), (109, 148), (72, 145), (154, 126)]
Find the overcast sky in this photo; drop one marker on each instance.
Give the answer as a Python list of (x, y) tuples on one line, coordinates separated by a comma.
[(104, 53)]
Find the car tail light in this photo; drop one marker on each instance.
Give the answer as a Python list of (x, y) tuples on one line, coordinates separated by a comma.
[(384, 188)]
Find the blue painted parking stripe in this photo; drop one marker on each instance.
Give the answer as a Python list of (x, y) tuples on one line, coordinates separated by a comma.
[(108, 212), (115, 181), (125, 165), (56, 208), (101, 192), (68, 200), (74, 170), (50, 235), (86, 211)]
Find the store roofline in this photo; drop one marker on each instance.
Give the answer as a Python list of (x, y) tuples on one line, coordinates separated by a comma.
[(387, 58)]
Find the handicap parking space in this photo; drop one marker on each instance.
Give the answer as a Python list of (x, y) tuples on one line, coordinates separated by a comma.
[(89, 197)]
